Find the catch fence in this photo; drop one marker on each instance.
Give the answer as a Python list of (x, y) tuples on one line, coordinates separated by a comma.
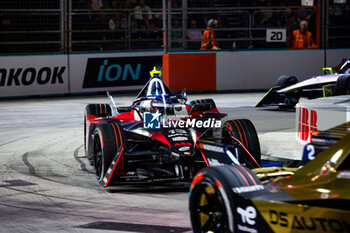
[(65, 26)]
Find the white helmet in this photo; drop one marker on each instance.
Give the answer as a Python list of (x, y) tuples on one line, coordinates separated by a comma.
[(212, 22)]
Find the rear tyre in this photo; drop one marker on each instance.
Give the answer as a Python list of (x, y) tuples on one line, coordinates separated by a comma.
[(244, 131), (98, 110), (203, 101), (108, 139), (342, 86), (212, 203), (285, 81)]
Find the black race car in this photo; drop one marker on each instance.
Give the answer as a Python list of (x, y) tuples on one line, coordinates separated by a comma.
[(160, 138)]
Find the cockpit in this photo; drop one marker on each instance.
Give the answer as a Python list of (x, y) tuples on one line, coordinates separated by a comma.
[(154, 88), (156, 96)]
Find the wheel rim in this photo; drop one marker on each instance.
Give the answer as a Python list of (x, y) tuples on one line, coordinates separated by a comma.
[(210, 212), (98, 160)]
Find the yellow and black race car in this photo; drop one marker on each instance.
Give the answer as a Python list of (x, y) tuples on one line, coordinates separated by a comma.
[(313, 198)]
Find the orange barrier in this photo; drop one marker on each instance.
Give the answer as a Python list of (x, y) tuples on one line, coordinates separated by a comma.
[(193, 71)]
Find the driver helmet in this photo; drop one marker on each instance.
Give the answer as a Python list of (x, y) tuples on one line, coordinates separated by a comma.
[(156, 89)]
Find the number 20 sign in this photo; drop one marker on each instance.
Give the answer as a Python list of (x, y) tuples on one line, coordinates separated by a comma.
[(276, 35)]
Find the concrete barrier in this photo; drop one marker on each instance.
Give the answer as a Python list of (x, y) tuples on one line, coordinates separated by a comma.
[(244, 70), (111, 71), (33, 75), (75, 73), (201, 71)]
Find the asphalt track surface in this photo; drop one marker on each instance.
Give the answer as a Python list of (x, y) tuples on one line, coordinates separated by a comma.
[(47, 184)]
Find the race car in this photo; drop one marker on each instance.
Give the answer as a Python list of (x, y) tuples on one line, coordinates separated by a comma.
[(161, 138), (288, 90), (313, 198)]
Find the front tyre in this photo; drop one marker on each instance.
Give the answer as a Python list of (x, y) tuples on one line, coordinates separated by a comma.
[(108, 140), (93, 111), (286, 81), (290, 100), (212, 202)]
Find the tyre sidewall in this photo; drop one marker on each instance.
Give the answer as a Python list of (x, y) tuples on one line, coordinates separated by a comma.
[(285, 81), (223, 179), (98, 110), (342, 86), (210, 176), (109, 149)]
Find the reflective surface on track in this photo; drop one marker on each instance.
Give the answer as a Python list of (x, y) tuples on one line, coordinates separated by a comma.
[(47, 184)]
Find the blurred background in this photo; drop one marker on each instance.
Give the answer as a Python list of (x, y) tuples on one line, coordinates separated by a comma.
[(80, 26)]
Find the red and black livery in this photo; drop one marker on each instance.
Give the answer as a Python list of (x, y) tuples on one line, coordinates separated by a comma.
[(124, 151)]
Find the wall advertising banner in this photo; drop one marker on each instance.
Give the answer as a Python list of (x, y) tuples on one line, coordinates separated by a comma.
[(33, 75), (105, 72)]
